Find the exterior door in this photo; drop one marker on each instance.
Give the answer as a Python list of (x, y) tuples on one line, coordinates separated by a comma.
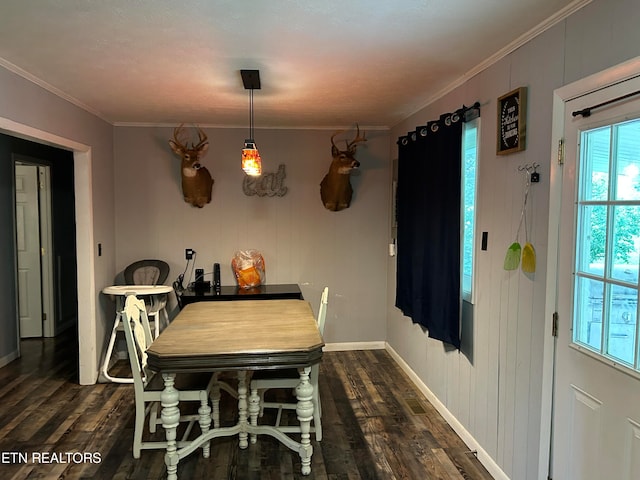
[(28, 247), (596, 414)]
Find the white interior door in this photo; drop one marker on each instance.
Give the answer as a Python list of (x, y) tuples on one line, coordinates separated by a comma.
[(596, 419), (28, 247)]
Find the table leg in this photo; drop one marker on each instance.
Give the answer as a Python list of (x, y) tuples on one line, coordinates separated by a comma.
[(215, 399), (254, 410), (205, 421), (242, 408), (304, 410), (169, 398)]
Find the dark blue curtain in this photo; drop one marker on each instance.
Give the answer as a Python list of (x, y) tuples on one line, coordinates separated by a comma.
[(428, 233)]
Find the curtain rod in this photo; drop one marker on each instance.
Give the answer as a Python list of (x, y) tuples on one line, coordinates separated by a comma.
[(463, 111), (475, 106), (586, 112)]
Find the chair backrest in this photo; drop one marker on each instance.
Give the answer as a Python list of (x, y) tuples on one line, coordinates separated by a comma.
[(322, 311), (138, 335), (146, 272), (322, 315)]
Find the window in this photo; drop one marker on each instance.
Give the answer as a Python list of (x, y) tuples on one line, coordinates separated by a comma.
[(468, 214), (608, 243)]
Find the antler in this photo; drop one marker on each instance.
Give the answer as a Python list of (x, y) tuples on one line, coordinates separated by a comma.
[(177, 134), (202, 137), (333, 136), (351, 146)]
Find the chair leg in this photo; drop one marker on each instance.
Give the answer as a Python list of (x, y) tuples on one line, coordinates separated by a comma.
[(138, 428), (109, 352), (317, 415), (153, 417)]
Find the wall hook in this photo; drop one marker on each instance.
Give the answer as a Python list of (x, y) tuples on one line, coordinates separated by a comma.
[(532, 171), (535, 176)]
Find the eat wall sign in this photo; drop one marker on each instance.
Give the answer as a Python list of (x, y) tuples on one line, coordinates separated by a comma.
[(512, 114)]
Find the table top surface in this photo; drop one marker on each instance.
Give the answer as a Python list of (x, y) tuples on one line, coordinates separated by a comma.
[(251, 334)]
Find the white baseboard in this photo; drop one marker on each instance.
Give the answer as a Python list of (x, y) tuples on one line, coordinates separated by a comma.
[(8, 358), (341, 347), (484, 458)]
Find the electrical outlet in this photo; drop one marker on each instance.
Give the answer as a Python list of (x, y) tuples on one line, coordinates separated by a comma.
[(188, 253)]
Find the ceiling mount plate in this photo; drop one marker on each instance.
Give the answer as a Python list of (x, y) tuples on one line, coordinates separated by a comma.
[(251, 79)]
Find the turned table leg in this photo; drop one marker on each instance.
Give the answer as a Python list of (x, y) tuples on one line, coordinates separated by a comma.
[(242, 408), (169, 398), (205, 421), (254, 410), (215, 399), (304, 410)]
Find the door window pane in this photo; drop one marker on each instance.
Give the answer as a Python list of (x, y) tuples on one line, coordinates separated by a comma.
[(608, 242), (595, 164), (588, 329), (592, 239), (628, 161), (625, 246), (622, 325)]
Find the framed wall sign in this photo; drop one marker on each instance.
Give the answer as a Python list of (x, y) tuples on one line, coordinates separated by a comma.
[(512, 115)]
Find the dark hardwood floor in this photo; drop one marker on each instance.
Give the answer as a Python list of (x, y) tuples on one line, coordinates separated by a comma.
[(376, 425)]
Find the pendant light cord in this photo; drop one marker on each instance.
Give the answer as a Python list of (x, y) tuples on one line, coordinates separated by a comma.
[(251, 114)]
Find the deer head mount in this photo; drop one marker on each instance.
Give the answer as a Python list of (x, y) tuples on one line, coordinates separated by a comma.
[(335, 188), (196, 179)]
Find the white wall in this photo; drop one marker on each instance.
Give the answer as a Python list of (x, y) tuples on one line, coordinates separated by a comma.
[(496, 392), (301, 241)]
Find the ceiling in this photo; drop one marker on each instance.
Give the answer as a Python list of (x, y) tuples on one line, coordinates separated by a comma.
[(322, 63)]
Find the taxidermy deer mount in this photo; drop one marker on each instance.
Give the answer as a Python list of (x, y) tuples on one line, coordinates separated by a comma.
[(196, 179), (335, 188)]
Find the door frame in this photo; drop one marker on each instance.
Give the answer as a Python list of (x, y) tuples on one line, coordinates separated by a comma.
[(87, 308), (590, 84), (46, 240)]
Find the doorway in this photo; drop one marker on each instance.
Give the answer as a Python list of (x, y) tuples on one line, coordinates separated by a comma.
[(83, 256), (44, 238)]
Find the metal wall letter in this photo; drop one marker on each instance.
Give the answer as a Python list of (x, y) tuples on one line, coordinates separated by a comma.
[(268, 184)]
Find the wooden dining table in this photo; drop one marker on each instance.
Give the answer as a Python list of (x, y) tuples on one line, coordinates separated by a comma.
[(242, 337)]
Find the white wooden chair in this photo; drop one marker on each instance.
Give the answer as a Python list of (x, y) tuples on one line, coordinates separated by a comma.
[(264, 380), (148, 386)]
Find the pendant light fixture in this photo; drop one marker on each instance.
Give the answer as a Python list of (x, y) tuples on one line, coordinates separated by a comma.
[(251, 163)]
